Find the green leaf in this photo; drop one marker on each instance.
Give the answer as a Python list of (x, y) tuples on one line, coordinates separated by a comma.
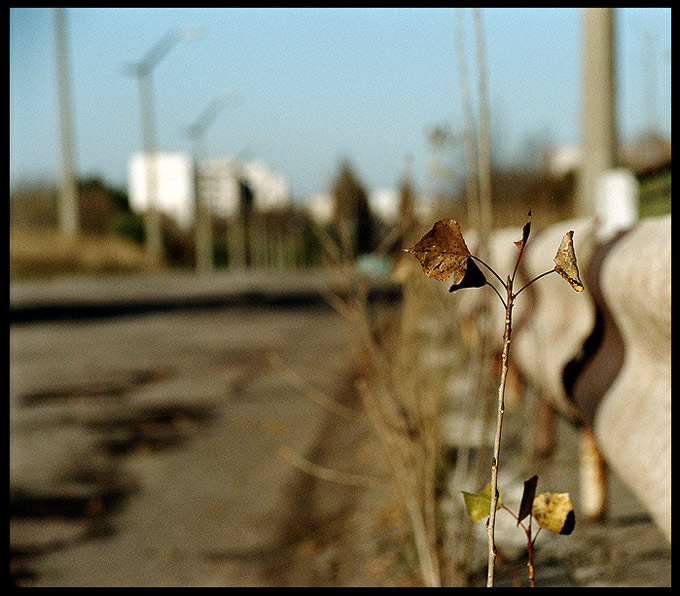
[(478, 505), (527, 498)]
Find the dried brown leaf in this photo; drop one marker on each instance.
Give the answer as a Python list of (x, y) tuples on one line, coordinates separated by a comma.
[(565, 262), (525, 234), (473, 278), (527, 501), (442, 252)]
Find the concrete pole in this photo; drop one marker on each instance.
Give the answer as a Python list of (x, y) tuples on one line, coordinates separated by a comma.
[(152, 221), (68, 199), (483, 139), (598, 113), (203, 230), (142, 71)]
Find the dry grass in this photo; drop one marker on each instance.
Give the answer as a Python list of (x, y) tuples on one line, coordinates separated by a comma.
[(401, 392), (42, 253)]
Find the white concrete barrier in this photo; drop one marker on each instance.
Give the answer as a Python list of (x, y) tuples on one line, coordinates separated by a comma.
[(603, 356)]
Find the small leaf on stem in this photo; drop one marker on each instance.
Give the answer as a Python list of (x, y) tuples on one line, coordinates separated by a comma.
[(473, 278), (527, 498), (478, 505), (554, 512), (442, 252), (565, 262), (525, 233)]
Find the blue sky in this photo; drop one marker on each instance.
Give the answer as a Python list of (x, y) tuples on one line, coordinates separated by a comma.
[(315, 86)]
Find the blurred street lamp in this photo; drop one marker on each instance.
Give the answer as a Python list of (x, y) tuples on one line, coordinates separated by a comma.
[(196, 132), (143, 70)]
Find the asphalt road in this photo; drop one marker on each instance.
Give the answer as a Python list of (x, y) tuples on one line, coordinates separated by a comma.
[(144, 449)]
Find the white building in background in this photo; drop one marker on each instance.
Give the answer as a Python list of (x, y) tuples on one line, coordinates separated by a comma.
[(320, 208), (174, 175), (383, 203), (562, 160), (219, 185), (647, 152), (220, 180)]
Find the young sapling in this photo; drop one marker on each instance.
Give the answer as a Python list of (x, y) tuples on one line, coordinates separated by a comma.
[(443, 254)]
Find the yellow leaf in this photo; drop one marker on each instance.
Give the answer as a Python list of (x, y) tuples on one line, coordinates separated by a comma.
[(554, 512)]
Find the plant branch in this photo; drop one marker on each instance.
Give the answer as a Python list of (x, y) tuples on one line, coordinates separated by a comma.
[(519, 258), (497, 294), (471, 182), (308, 391), (530, 546), (498, 277), (483, 153), (530, 561), (532, 281), (491, 522)]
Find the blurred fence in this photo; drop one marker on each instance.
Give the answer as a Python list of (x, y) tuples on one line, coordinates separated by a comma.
[(273, 240)]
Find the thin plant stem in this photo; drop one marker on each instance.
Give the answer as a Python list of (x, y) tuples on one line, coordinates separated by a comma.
[(530, 561), (519, 258), (537, 533), (491, 522), (532, 281), (530, 546), (490, 268), (497, 294)]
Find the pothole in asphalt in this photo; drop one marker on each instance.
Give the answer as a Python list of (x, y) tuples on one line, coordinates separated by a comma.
[(151, 430), (78, 511), (78, 506)]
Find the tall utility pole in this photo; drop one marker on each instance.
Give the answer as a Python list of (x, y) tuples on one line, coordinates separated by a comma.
[(650, 81), (68, 200), (483, 140), (203, 232), (143, 70), (598, 113)]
